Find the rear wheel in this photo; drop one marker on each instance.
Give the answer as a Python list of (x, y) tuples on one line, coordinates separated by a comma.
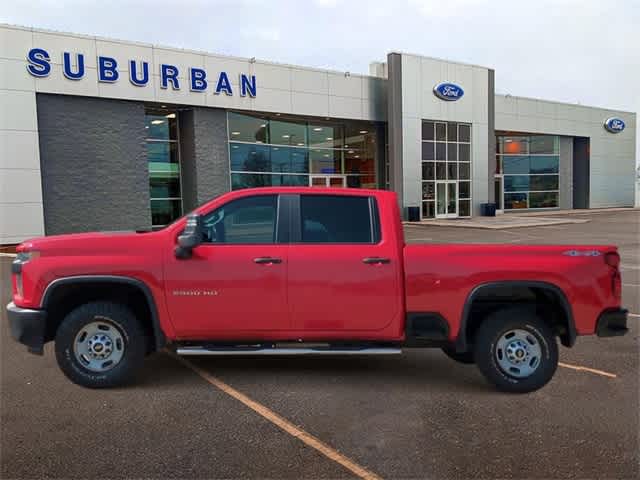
[(100, 345), (516, 350)]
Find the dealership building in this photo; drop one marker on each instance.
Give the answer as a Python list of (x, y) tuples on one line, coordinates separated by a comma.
[(101, 134)]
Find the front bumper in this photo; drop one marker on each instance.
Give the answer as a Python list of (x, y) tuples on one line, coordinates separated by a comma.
[(28, 327), (612, 323)]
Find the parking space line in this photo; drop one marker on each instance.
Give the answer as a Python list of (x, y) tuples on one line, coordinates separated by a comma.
[(636, 315), (587, 369), (283, 423), (11, 255), (631, 284)]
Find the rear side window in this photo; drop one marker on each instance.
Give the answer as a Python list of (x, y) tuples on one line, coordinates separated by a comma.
[(337, 219)]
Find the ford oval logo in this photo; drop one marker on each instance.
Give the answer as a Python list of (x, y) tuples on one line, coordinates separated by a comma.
[(614, 124), (448, 91)]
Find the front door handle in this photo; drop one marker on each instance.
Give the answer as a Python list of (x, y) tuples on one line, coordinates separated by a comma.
[(267, 260), (375, 260)]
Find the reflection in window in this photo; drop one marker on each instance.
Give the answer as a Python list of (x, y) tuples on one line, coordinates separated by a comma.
[(530, 165), (250, 220), (345, 152), (163, 159)]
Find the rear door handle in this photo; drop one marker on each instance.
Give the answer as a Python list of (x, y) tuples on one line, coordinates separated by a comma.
[(267, 260), (376, 260)]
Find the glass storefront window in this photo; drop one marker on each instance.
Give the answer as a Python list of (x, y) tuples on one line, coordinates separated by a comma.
[(325, 161), (161, 126), (464, 171), (428, 170), (288, 133), (428, 131), (163, 159), (165, 211), (325, 136), (428, 151), (253, 180), (446, 159), (544, 144), (515, 201), (543, 199), (344, 152), (544, 164), (530, 166), (246, 128), (464, 152), (516, 183)]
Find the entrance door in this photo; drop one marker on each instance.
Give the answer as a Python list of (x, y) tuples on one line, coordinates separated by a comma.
[(336, 181), (447, 199), (498, 192)]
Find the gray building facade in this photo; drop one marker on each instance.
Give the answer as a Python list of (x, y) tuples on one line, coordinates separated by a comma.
[(100, 134)]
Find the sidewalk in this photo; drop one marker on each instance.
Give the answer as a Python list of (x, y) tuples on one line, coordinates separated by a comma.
[(499, 222)]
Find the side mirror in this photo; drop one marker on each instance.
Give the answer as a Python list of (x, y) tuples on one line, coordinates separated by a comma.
[(191, 237)]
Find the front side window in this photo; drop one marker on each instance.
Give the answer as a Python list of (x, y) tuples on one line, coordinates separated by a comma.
[(250, 220), (336, 219)]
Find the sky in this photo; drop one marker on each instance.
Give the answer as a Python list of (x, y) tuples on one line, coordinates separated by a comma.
[(579, 51)]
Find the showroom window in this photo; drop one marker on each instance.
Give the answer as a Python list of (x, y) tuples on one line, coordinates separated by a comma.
[(274, 150), (446, 169), (163, 157), (528, 166)]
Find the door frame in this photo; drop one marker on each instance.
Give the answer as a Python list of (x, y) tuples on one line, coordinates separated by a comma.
[(327, 179), (446, 199), (500, 178)]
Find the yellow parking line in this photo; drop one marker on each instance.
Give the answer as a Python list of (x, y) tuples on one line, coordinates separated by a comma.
[(587, 369), (284, 424)]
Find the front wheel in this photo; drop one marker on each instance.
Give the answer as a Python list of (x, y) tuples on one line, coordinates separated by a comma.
[(516, 350), (100, 344)]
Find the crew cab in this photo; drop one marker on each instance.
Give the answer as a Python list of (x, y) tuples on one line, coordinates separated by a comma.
[(296, 271)]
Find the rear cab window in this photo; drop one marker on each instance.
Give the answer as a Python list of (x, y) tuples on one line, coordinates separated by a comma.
[(339, 219)]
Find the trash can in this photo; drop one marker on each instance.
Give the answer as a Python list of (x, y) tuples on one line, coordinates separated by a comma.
[(488, 209), (413, 214)]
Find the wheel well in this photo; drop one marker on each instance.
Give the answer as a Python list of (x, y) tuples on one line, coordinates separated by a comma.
[(66, 297), (547, 302)]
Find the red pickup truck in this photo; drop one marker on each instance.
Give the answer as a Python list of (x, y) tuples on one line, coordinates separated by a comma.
[(307, 271)]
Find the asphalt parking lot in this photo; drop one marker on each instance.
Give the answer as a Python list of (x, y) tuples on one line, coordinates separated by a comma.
[(418, 415)]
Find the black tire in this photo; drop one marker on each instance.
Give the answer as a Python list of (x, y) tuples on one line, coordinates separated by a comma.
[(129, 329), (487, 349), (467, 358)]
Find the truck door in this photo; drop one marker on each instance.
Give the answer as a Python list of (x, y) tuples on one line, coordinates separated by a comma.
[(235, 282), (343, 276)]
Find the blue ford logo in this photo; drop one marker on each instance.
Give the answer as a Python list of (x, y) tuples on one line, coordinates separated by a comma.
[(448, 91), (614, 125)]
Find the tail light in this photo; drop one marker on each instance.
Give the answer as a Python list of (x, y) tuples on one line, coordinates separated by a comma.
[(613, 260)]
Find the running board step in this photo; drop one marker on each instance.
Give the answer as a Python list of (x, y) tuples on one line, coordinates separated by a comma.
[(287, 351)]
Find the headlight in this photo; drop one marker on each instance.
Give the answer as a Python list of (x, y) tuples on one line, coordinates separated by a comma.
[(24, 257), (16, 268)]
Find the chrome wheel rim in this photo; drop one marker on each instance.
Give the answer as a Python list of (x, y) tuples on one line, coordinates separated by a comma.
[(99, 346), (518, 353)]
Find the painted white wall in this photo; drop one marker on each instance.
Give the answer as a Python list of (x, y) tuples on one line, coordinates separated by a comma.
[(612, 155), (419, 76), (280, 89), (20, 184)]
